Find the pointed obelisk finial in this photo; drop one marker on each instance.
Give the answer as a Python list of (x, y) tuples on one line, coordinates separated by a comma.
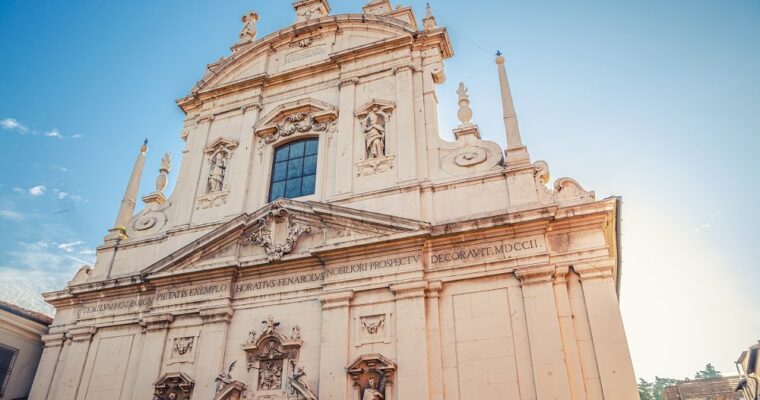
[(127, 208), (428, 22), (516, 151)]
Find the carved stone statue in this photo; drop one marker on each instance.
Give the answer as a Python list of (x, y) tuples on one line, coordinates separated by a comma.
[(371, 392), (296, 332), (271, 325), (374, 133), (248, 33), (252, 337), (216, 172)]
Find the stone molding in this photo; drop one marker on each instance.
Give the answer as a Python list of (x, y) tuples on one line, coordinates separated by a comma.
[(221, 314), (81, 333), (602, 269), (433, 289), (54, 339), (156, 322), (336, 300), (348, 82), (409, 290), (534, 275)]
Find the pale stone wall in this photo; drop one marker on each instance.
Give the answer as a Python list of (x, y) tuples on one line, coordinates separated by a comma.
[(22, 335)]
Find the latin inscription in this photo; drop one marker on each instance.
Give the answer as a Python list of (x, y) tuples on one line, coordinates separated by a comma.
[(114, 306), (489, 251), (206, 291), (304, 54)]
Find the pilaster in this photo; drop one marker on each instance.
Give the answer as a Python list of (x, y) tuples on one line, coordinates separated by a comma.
[(610, 344), (79, 346), (406, 143), (546, 348), (213, 340), (47, 367), (569, 342), (435, 357), (344, 141), (191, 167), (334, 346), (155, 329), (411, 341), (244, 169)]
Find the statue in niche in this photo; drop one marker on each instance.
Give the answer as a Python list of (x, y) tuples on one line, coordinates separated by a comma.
[(216, 172), (374, 133), (372, 391), (296, 332), (248, 33)]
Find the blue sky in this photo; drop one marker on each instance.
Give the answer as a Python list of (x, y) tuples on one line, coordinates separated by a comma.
[(658, 102)]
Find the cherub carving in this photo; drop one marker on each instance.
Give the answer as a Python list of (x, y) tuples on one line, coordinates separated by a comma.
[(373, 326), (296, 332), (374, 133), (224, 378), (248, 33), (271, 325), (252, 337)]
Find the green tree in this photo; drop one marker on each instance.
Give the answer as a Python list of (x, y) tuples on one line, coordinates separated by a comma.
[(708, 373), (645, 390), (658, 389)]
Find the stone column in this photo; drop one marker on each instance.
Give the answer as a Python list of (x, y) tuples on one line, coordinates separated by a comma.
[(79, 347), (435, 358), (344, 141), (567, 329), (546, 348), (243, 170), (406, 145), (156, 327), (47, 367), (412, 377), (213, 341), (333, 348), (610, 344)]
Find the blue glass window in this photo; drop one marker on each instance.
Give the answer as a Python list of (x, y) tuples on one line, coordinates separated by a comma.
[(294, 170)]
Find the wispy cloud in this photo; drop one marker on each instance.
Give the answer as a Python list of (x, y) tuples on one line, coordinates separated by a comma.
[(69, 247), (59, 168), (14, 125), (18, 190), (37, 191), (62, 195), (11, 215), (707, 224)]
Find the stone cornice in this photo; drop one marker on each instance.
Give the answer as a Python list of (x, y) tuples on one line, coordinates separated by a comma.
[(590, 270), (54, 339), (156, 322)]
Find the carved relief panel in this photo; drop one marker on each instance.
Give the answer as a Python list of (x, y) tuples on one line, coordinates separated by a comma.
[(372, 375), (182, 349), (373, 327)]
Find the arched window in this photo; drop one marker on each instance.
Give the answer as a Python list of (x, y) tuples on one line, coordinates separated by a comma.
[(294, 170)]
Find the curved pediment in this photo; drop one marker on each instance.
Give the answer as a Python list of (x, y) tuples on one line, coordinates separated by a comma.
[(305, 44)]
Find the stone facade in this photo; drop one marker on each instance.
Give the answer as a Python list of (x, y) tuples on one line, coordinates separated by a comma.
[(407, 267), (749, 373)]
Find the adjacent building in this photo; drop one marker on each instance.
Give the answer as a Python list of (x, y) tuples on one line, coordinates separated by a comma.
[(723, 388), (748, 367), (324, 242), (21, 342)]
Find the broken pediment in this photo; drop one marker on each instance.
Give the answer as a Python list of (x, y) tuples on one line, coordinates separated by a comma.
[(301, 116), (283, 230)]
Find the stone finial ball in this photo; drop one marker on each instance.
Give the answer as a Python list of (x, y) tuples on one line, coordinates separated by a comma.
[(499, 59)]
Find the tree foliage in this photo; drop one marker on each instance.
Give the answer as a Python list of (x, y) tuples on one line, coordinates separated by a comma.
[(708, 373)]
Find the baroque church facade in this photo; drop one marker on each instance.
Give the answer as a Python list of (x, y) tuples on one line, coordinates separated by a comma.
[(323, 242)]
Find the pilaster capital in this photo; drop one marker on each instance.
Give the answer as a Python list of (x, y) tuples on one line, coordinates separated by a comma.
[(601, 269), (156, 322), (256, 104), (336, 300), (434, 289), (348, 82), (534, 274), (219, 314), (54, 339), (560, 274), (409, 290), (81, 333), (202, 119), (402, 68)]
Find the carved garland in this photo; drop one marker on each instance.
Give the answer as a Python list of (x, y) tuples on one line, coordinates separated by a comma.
[(295, 123)]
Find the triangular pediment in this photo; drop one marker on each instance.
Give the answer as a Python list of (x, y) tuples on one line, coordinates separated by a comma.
[(285, 230), (307, 105)]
